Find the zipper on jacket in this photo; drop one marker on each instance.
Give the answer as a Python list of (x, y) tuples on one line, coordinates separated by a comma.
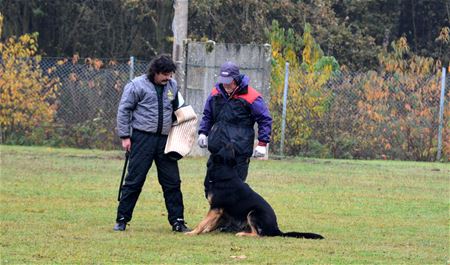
[(160, 92)]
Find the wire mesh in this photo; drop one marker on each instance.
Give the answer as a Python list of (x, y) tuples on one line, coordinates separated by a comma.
[(88, 98), (364, 115), (354, 115)]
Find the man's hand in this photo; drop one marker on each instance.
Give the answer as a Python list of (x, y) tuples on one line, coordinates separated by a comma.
[(260, 151), (126, 144), (202, 141)]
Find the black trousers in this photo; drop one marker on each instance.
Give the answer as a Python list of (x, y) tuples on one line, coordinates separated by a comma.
[(146, 148), (241, 168)]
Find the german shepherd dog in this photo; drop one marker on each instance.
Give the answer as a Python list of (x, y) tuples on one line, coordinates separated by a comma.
[(230, 197)]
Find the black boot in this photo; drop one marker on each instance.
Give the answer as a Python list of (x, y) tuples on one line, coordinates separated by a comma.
[(180, 226), (120, 226)]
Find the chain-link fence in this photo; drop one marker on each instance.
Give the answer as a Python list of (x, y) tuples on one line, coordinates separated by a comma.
[(86, 103), (355, 115), (366, 115)]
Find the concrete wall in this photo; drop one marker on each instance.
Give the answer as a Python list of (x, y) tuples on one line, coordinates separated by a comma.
[(202, 66)]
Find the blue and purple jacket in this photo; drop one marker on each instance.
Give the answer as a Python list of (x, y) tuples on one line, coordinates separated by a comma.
[(232, 119)]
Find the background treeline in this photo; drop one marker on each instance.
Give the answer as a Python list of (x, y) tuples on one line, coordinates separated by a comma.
[(354, 32), (364, 76)]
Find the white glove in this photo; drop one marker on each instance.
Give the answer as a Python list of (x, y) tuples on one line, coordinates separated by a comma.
[(260, 151), (202, 141)]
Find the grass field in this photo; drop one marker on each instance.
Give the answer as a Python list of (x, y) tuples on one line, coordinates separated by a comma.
[(58, 207)]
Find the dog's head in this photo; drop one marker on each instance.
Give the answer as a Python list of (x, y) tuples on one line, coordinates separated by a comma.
[(225, 156), (223, 164)]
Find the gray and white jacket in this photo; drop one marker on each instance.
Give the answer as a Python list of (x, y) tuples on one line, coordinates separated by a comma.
[(139, 107)]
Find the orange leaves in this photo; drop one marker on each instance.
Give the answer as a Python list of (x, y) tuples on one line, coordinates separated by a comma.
[(387, 146), (75, 58), (95, 63), (396, 113), (408, 107), (50, 70), (112, 63), (398, 109), (26, 92), (395, 63), (61, 62), (444, 35), (375, 95)]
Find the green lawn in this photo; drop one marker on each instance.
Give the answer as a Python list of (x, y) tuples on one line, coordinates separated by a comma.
[(58, 207)]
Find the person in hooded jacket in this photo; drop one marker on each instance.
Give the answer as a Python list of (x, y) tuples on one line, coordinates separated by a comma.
[(229, 116)]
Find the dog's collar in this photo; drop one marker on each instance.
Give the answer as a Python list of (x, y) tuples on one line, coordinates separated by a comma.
[(212, 180)]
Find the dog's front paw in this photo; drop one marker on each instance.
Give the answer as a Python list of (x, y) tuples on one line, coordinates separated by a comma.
[(246, 234), (191, 233)]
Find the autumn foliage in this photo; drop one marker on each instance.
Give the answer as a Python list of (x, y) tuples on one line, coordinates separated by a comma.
[(27, 93), (309, 71), (391, 113), (399, 112)]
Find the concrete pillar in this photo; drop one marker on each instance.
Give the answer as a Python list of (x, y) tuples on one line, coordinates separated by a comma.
[(179, 28)]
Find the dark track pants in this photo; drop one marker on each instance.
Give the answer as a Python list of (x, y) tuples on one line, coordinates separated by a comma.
[(146, 148)]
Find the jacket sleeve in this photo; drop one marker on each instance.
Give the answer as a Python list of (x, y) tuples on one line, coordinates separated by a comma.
[(207, 120), (262, 116), (127, 104)]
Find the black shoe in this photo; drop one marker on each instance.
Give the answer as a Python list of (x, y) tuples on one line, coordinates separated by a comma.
[(180, 226), (120, 226)]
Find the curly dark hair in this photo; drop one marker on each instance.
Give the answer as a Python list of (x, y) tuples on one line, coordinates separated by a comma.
[(161, 64)]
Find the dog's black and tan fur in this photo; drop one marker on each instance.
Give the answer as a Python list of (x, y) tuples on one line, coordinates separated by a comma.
[(229, 196)]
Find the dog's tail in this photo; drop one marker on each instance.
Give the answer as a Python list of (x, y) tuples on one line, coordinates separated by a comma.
[(302, 235)]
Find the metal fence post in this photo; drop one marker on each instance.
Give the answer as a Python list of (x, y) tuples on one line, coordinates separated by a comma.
[(283, 117), (131, 67), (441, 114)]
